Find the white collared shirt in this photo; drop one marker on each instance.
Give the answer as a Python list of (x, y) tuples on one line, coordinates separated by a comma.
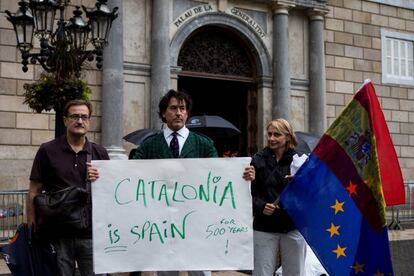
[(182, 135)]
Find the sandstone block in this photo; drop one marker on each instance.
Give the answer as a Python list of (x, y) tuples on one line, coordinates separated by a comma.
[(387, 103), (343, 38), (370, 7), (393, 127), (353, 4), (14, 71), (329, 36), (362, 41), (410, 26), (380, 20), (7, 37), (410, 94), (329, 61), (399, 92), (335, 49), (399, 116), (407, 151), (376, 78), (7, 120), (405, 13), (10, 5), (407, 105), (8, 53), (397, 23), (376, 66), (352, 75), (334, 24), (14, 137), (372, 54), (388, 10), (7, 86), (363, 65), (371, 30), (353, 27), (336, 3), (343, 62), (341, 13), (42, 136), (13, 103), (32, 121), (400, 139), (344, 87), (361, 17), (407, 128), (354, 52), (376, 43), (335, 99), (334, 74), (18, 152)]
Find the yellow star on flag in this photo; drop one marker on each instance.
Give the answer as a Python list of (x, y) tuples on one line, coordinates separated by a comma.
[(333, 229), (338, 206), (339, 251), (358, 267), (379, 274)]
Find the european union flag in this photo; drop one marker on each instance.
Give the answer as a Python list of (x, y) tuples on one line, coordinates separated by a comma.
[(337, 199)]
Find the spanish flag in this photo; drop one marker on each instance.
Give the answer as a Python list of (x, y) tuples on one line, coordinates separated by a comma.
[(337, 198)]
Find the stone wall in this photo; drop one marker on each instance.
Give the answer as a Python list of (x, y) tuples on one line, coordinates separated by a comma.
[(353, 54), (21, 129)]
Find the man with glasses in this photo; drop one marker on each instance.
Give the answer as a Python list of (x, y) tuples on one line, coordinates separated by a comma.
[(62, 163)]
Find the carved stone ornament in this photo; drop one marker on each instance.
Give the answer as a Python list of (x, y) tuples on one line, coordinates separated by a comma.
[(215, 52)]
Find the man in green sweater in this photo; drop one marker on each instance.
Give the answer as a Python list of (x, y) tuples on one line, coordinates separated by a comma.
[(177, 141)]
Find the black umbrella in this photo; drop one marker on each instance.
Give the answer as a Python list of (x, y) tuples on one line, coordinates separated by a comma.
[(138, 136), (214, 127), (306, 142)]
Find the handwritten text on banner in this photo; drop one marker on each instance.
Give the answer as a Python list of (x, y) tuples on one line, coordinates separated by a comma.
[(186, 214)]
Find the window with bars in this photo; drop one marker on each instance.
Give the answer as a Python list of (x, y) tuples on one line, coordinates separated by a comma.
[(397, 58)]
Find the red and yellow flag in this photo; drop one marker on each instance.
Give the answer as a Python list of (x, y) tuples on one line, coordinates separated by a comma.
[(337, 199)]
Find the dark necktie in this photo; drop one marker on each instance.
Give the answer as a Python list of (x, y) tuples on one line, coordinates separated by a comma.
[(174, 147)]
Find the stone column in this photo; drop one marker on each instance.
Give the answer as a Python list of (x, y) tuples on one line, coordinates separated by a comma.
[(317, 76), (113, 87), (160, 56), (281, 69)]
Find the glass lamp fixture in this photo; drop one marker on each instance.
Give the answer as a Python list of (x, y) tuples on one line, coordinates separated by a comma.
[(62, 51)]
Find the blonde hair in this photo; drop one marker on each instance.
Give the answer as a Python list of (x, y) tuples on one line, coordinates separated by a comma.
[(282, 126)]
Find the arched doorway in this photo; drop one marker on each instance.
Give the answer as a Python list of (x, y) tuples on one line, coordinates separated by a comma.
[(218, 71)]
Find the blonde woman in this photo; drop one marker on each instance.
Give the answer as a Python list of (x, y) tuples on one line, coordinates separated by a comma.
[(275, 236)]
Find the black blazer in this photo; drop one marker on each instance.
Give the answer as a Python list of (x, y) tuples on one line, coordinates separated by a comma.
[(266, 188)]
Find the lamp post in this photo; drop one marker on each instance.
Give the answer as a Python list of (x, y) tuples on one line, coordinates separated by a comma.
[(64, 50)]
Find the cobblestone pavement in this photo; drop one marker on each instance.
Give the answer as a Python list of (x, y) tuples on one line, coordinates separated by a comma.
[(5, 271), (402, 250)]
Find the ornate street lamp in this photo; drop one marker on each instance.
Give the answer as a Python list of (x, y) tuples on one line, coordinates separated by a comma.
[(37, 17), (62, 51)]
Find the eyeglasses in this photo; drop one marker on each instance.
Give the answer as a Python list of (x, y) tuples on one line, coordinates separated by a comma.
[(76, 117)]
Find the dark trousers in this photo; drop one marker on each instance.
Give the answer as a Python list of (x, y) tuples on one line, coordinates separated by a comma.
[(71, 250)]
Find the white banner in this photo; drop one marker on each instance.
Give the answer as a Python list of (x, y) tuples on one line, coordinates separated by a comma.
[(172, 214)]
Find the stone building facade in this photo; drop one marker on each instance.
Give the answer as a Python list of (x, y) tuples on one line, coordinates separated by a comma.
[(248, 61)]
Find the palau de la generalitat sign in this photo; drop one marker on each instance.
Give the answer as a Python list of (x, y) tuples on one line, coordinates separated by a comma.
[(172, 214)]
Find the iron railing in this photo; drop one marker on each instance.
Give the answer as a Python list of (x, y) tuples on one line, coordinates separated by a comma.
[(401, 216), (12, 212)]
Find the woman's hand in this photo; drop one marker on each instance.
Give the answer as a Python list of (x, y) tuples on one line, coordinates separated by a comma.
[(270, 208), (249, 173)]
